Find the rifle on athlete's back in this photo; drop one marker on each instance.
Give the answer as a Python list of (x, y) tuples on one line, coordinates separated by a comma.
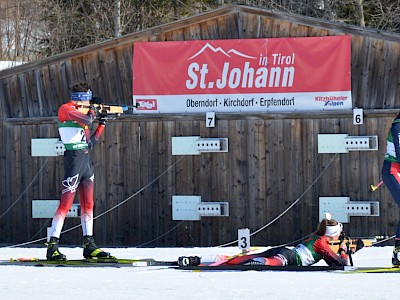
[(107, 111)]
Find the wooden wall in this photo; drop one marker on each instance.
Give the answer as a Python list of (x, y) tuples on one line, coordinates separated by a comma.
[(272, 160)]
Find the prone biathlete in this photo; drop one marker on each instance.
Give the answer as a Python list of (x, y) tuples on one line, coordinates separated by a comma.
[(310, 251), (314, 248)]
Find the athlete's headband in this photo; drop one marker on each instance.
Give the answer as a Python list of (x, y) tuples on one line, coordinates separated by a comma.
[(82, 96), (334, 230)]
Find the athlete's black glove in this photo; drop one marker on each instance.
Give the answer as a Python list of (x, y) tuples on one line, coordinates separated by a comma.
[(95, 106), (103, 119), (359, 245)]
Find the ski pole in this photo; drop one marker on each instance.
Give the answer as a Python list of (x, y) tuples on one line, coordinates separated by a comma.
[(374, 187), (349, 252)]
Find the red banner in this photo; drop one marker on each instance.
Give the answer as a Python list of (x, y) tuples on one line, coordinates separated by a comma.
[(279, 74)]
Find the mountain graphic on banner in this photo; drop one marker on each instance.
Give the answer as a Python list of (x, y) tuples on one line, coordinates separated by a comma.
[(220, 50)]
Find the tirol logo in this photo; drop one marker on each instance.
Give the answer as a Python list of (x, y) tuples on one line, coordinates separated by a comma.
[(216, 68), (146, 104)]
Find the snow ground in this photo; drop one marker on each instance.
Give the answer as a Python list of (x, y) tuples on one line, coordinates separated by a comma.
[(34, 283)]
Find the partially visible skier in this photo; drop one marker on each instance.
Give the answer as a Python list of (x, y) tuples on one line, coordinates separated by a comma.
[(73, 127), (391, 177)]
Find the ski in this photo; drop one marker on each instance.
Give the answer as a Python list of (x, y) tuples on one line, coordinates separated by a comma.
[(261, 268), (372, 269), (149, 262), (339, 269), (88, 262)]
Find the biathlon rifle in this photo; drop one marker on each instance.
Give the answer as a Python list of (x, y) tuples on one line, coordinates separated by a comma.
[(106, 111), (355, 244)]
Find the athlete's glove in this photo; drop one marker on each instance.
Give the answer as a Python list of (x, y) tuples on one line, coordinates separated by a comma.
[(359, 245), (356, 245), (95, 106), (103, 119)]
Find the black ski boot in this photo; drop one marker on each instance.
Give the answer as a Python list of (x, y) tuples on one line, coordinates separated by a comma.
[(52, 250), (184, 261), (91, 250)]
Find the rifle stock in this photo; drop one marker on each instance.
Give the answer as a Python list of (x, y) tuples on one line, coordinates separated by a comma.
[(104, 109), (352, 244)]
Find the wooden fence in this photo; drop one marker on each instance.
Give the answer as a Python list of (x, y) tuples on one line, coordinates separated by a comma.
[(272, 160)]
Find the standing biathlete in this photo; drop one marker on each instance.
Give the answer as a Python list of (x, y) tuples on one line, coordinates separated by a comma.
[(313, 249), (391, 177), (73, 127)]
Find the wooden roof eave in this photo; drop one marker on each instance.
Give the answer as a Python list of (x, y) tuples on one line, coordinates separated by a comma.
[(179, 24)]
